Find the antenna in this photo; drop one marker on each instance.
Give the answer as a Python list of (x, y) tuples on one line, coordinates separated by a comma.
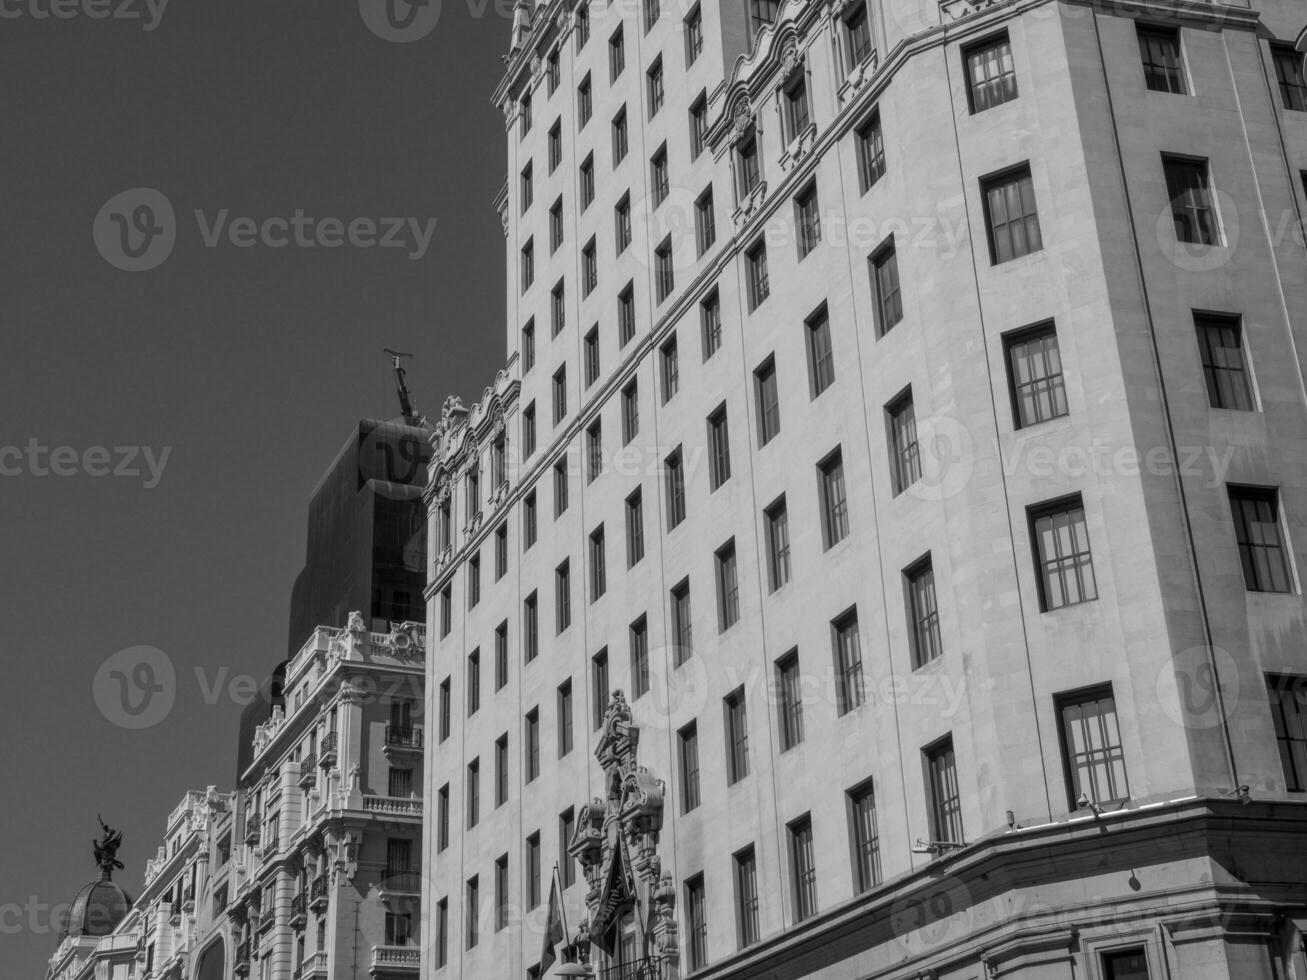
[(406, 407)]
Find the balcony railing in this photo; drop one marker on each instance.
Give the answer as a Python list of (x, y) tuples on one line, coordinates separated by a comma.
[(314, 965), (252, 828), (649, 968), (398, 805), (327, 754), (241, 961), (405, 881), (404, 736), (297, 914), (395, 958), (266, 918), (318, 893), (308, 771)]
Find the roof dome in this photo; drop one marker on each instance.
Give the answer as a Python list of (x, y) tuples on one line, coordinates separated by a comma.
[(97, 909)]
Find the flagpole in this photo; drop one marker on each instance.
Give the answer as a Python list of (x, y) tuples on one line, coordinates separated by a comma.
[(562, 906)]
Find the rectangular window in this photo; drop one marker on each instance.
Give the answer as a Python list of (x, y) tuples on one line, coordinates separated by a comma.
[(719, 448), (626, 314), (821, 358), (1011, 217), (885, 287), (871, 153), (599, 686), (944, 797), (533, 870), (474, 682), (501, 655), (658, 178), (1128, 964), (531, 627), (698, 126), (555, 146), (737, 736), (562, 596), (682, 622), (472, 910), (696, 923), (622, 223), (864, 837), (587, 181), (528, 264), (501, 770), (565, 739), (560, 487), (728, 587), (446, 610), (526, 189), (528, 520), (1262, 550), (557, 308), (553, 72), (634, 528), (589, 267), (905, 457), (652, 11), (616, 55), (797, 113), (529, 429), (748, 167), (501, 892), (670, 364), (560, 394), (1091, 748), (803, 868), (531, 744), (446, 706), (923, 612), (473, 581), (594, 451), (598, 564), (619, 138), (705, 222), (1064, 562), (654, 87), (582, 25), (849, 692), (524, 115), (693, 36), (991, 76), (630, 412), (688, 743), (807, 220), (789, 700), (1034, 364), (834, 506), (566, 863), (584, 102), (1193, 211), (746, 897), (1288, 696), (1220, 340), (1159, 50), (442, 818), (473, 793), (639, 635), (675, 488), (1288, 74), (664, 270), (591, 343), (778, 544), (761, 13), (710, 323), (758, 283), (857, 34)]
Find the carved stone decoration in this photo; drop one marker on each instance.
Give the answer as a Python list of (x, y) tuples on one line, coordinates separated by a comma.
[(789, 56), (404, 641), (741, 118)]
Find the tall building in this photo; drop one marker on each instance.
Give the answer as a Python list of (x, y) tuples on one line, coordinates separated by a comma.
[(905, 412)]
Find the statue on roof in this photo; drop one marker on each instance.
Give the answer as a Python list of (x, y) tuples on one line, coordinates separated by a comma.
[(106, 848)]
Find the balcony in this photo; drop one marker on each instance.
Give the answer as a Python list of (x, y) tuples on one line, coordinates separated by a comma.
[(308, 771), (649, 968), (241, 961), (188, 900), (394, 959), (327, 756), (403, 740), (252, 829), (396, 806), (297, 913), (397, 882), (266, 919), (314, 965), (318, 899)]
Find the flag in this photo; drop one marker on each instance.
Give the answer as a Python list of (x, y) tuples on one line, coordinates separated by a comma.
[(554, 931)]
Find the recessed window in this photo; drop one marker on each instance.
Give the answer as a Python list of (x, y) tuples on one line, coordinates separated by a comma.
[(664, 270), (698, 125), (864, 837), (834, 505), (473, 793), (630, 411), (821, 359), (1225, 370), (472, 907), (871, 152), (591, 349), (803, 868), (564, 698), (626, 314), (531, 627), (528, 520), (529, 430), (847, 648), (761, 14), (748, 167), (710, 324), (693, 36), (778, 544), (634, 528), (560, 487), (532, 871), (682, 622), (688, 739), (566, 863), (589, 268), (905, 454), (1289, 77), (619, 137), (501, 892), (737, 736), (446, 708), (745, 866), (560, 394), (857, 34), (555, 225), (885, 287), (670, 364), (622, 223), (526, 191), (654, 87), (473, 682), (719, 448), (524, 115), (658, 178), (598, 564), (553, 71), (501, 655), (557, 308), (1063, 560), (1159, 51), (696, 923), (944, 797), (675, 477), (1011, 217), (639, 646), (599, 686), (555, 145), (807, 220), (584, 102), (789, 700), (531, 743), (991, 75), (501, 770), (759, 284), (442, 818), (616, 55), (1091, 747), (923, 612), (768, 398), (705, 221), (728, 587), (1034, 365), (652, 11), (1193, 211), (587, 181), (1262, 551), (582, 25), (528, 264), (796, 111), (1129, 964), (1288, 696)]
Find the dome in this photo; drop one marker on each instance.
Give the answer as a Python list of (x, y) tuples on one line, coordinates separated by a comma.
[(97, 909)]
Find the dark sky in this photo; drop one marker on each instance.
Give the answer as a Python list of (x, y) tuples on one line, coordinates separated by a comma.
[(250, 363)]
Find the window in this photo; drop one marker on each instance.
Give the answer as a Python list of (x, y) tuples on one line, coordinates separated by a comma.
[(473, 581), (634, 528), (619, 137), (1288, 74), (566, 830), (794, 104), (905, 457), (531, 627), (1034, 365), (821, 358), (526, 191), (710, 322), (598, 564), (529, 520), (560, 394), (698, 125), (552, 71), (446, 709), (1262, 551), (444, 526), (759, 286), (688, 744), (584, 102), (1064, 563), (991, 76), (871, 153), (1011, 216), (473, 487), (675, 488), (693, 36), (658, 175), (592, 354), (803, 868), (745, 866), (501, 655), (532, 744), (473, 682), (1220, 341), (582, 25), (471, 909), (885, 288), (923, 613), (524, 114), (728, 587), (565, 740), (654, 86), (563, 596), (616, 55), (789, 700), (555, 145), (1129, 964), (1288, 696), (473, 793), (864, 837), (719, 448), (778, 544), (682, 622), (834, 506), (589, 267), (652, 11), (761, 13), (599, 686), (1091, 747), (587, 181), (528, 264), (533, 870), (501, 892), (501, 770), (670, 364), (529, 429), (442, 933), (747, 166), (442, 818), (737, 736), (639, 645), (399, 782), (626, 312), (446, 610), (1159, 50), (557, 307), (622, 223), (696, 922), (630, 412), (857, 34), (705, 221), (1192, 209), (664, 271), (847, 648), (944, 798), (807, 220), (594, 451)]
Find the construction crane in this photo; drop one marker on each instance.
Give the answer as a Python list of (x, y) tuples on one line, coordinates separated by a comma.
[(406, 406)]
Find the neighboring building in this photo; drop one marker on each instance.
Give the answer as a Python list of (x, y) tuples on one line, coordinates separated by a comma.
[(905, 410)]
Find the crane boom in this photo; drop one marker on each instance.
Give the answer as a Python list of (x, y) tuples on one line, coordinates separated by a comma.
[(406, 407)]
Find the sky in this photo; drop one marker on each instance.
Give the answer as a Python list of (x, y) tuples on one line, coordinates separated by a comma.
[(172, 386)]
